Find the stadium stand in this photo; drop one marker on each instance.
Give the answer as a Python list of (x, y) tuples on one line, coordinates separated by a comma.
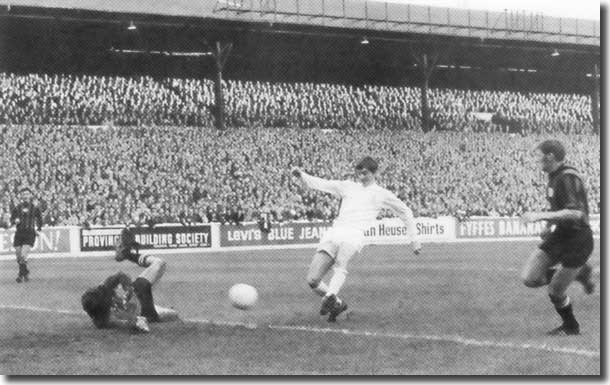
[(96, 100), (107, 150)]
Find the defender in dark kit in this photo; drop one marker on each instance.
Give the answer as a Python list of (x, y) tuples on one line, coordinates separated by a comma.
[(567, 239)]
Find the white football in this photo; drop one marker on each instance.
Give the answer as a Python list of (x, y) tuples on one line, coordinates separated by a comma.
[(243, 296)]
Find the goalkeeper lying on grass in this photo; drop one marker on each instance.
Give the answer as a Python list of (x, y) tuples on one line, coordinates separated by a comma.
[(121, 302)]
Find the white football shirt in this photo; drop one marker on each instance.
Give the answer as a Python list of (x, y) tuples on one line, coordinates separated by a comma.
[(361, 204)]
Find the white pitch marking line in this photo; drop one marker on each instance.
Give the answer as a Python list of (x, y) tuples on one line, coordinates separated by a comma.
[(309, 329), (423, 266), (40, 309), (455, 339)]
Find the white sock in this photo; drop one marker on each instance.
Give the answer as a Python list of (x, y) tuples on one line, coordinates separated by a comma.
[(321, 289), (336, 281), (166, 314)]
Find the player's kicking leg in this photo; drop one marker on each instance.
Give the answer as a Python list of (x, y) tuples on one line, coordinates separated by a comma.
[(336, 305), (320, 265), (330, 254)]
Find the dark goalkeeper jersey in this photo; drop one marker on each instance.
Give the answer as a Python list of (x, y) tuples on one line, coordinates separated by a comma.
[(567, 191), (27, 217)]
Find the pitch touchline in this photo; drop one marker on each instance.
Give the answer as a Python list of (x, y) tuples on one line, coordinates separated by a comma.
[(455, 339), (310, 329), (596, 269)]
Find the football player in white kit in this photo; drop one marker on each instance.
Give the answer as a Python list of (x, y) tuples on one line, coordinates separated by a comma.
[(361, 202)]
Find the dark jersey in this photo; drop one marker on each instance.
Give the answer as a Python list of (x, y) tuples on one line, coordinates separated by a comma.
[(264, 223), (27, 217), (567, 191)]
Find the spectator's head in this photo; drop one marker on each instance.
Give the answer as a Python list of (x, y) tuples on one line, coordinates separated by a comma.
[(551, 155), (25, 194)]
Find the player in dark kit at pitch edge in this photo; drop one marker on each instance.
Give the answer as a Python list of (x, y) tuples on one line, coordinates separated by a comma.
[(27, 218), (567, 239)]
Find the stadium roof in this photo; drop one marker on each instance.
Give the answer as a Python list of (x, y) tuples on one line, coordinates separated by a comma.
[(58, 36), (355, 14)]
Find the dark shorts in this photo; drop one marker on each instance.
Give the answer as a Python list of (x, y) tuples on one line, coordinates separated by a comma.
[(24, 237), (570, 248)]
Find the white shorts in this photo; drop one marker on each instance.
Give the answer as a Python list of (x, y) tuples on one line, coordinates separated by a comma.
[(341, 244)]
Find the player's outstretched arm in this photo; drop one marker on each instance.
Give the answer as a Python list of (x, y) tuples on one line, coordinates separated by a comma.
[(334, 187), (400, 209)]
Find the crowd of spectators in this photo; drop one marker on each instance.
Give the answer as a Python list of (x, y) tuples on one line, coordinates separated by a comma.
[(97, 100), (152, 174), (105, 150)]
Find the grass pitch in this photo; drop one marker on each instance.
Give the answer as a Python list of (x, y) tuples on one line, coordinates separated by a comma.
[(454, 309)]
